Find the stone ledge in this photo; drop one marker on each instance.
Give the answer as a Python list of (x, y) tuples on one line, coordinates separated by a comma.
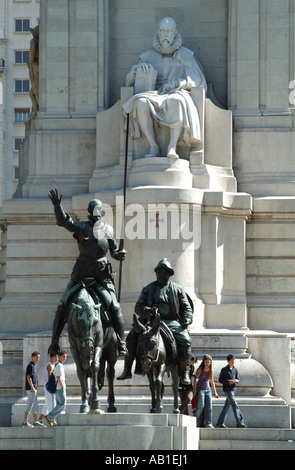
[(122, 431)]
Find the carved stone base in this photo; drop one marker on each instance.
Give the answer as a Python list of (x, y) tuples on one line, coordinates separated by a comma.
[(162, 171), (122, 431)]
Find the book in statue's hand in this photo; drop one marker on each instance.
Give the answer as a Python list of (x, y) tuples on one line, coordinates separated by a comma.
[(145, 81)]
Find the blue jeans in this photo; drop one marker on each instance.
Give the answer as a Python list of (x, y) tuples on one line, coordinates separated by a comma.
[(60, 403), (230, 402), (205, 400)]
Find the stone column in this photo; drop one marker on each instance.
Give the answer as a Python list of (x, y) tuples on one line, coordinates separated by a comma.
[(74, 56), (2, 81), (244, 56), (222, 259), (74, 77), (261, 56), (54, 55), (261, 79)]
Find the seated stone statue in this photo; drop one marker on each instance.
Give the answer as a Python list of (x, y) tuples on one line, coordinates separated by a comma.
[(166, 73), (175, 310)]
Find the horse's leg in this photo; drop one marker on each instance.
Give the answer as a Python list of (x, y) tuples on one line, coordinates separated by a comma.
[(111, 395), (94, 402), (111, 356), (101, 372), (175, 382), (82, 376)]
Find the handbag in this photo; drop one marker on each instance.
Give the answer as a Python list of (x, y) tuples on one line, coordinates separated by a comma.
[(194, 401)]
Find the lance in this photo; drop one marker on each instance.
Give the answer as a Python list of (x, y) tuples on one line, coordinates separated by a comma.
[(121, 244)]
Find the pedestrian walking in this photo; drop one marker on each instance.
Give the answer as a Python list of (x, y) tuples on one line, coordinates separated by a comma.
[(229, 378), (31, 387), (204, 387), (50, 398), (60, 390)]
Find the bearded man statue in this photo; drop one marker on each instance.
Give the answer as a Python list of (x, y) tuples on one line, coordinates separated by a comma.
[(173, 71)]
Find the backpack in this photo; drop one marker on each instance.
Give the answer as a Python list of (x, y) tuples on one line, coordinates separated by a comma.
[(51, 384)]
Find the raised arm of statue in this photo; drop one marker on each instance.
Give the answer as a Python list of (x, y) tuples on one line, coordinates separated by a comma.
[(55, 197)]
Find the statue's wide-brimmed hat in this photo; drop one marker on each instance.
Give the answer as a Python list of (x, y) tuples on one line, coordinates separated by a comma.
[(164, 263)]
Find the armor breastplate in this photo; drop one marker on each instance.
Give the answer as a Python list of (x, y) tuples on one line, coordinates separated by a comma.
[(93, 247)]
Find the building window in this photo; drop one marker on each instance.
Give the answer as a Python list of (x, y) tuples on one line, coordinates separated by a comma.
[(21, 114), (21, 25), (17, 142), (16, 173), (21, 86), (21, 57)]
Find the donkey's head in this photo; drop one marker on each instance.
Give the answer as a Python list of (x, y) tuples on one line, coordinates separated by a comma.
[(148, 342)]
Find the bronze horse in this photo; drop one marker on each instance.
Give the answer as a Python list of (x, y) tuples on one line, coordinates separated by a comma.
[(156, 359), (93, 344)]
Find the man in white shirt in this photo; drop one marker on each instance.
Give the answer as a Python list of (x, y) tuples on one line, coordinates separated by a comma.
[(60, 389)]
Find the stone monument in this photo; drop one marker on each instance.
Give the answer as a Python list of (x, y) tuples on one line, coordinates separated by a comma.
[(162, 83), (222, 211)]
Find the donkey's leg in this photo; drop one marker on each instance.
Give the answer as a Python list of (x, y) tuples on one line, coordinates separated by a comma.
[(153, 391), (159, 385), (175, 383)]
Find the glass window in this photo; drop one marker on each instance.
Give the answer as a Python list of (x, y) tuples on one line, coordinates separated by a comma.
[(17, 142), (21, 57), (21, 86), (16, 173), (21, 114), (22, 25)]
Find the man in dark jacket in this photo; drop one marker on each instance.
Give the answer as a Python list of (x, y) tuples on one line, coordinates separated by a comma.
[(229, 378), (174, 307)]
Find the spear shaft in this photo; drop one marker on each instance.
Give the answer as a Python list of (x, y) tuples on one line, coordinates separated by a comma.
[(121, 244)]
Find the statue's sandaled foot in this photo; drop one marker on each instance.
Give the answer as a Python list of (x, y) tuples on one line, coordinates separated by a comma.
[(171, 153), (154, 152)]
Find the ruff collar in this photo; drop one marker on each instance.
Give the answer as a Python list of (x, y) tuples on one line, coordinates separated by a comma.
[(170, 50)]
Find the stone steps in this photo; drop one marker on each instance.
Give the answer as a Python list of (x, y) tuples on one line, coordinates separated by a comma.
[(270, 412), (247, 439), (18, 438)]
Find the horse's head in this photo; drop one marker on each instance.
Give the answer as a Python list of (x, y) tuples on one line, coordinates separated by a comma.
[(87, 320), (148, 342)]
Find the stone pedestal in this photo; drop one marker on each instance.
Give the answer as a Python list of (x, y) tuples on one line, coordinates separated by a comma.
[(160, 171), (196, 230), (121, 431)]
